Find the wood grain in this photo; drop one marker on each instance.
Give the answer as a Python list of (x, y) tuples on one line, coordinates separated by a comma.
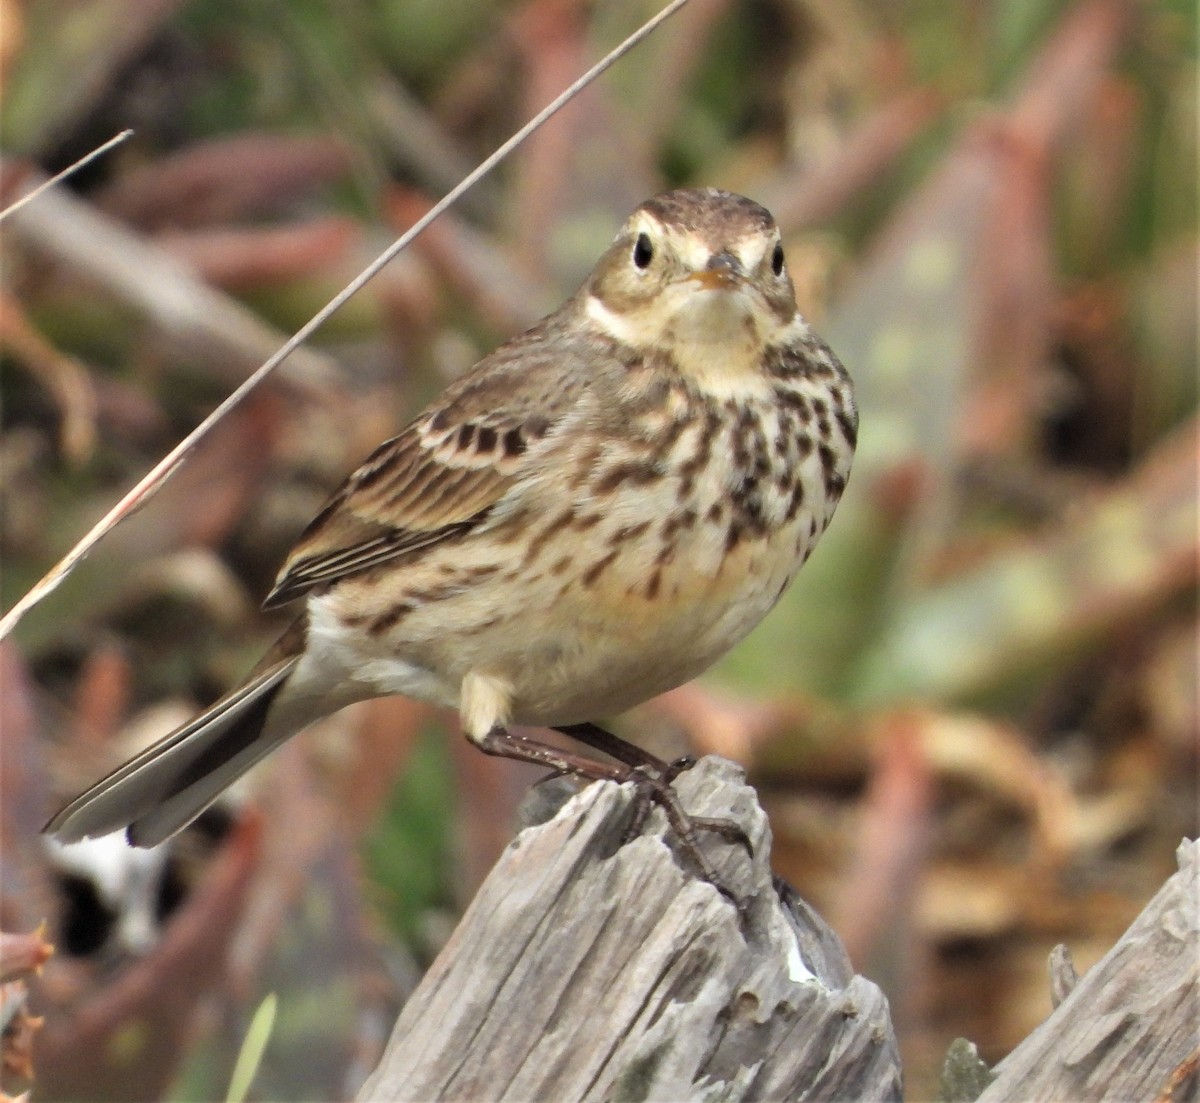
[(1129, 1029), (588, 968)]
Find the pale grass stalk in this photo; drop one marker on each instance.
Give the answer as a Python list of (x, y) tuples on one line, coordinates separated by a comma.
[(86, 159), (150, 483)]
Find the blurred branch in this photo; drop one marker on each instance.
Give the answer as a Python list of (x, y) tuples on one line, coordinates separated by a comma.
[(1131, 549), (23, 953), (1068, 68), (254, 257), (652, 95), (221, 180), (868, 152), (418, 142), (203, 324), (475, 265), (64, 378)]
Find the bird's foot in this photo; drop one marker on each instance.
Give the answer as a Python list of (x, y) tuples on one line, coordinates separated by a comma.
[(655, 788)]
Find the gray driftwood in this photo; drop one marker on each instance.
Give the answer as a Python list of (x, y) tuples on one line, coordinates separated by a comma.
[(590, 968), (1129, 1028)]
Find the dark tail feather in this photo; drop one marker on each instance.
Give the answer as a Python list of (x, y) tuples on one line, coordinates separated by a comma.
[(168, 785)]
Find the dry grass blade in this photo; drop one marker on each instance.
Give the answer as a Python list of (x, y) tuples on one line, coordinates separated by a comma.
[(154, 479), (86, 159)]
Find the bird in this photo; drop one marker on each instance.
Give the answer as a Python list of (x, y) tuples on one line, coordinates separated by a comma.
[(592, 515)]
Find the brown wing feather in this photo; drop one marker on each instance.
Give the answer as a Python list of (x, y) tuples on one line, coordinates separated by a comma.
[(403, 499), (442, 475)]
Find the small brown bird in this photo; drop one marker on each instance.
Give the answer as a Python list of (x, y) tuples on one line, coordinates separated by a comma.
[(592, 515)]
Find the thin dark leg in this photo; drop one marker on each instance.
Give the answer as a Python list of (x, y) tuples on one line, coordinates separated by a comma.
[(631, 754), (504, 744), (595, 736), (666, 772)]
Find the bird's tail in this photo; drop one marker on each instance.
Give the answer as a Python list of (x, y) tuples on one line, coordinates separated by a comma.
[(169, 784)]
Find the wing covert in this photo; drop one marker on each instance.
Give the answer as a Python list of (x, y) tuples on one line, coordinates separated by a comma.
[(443, 474)]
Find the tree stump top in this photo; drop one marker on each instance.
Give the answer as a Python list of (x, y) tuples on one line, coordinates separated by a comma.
[(588, 967)]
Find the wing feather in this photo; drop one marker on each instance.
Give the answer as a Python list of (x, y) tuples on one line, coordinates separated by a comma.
[(445, 472), (415, 505)]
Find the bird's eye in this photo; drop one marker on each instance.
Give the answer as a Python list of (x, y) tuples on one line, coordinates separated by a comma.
[(777, 259), (643, 251)]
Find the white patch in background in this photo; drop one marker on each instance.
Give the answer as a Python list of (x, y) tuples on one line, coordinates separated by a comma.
[(127, 880)]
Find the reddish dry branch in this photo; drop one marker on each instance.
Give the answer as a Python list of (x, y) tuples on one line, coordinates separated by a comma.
[(199, 322), (23, 953), (588, 967)]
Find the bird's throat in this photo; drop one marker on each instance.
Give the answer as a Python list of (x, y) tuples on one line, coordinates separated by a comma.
[(714, 338)]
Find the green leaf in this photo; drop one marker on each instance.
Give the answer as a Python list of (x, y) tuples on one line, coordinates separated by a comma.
[(253, 1047)]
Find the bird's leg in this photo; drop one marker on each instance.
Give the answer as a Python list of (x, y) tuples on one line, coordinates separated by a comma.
[(499, 741), (664, 773), (502, 743), (630, 754), (616, 747), (657, 789)]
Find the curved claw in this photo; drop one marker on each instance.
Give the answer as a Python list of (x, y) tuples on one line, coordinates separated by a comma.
[(653, 778), (678, 766), (652, 788), (641, 813)]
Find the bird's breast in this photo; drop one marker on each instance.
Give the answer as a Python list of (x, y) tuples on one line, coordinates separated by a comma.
[(623, 568), (672, 550)]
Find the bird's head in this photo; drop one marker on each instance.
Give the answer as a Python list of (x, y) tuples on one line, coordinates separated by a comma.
[(700, 275)]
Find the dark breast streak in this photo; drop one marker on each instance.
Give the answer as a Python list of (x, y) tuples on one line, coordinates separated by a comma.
[(757, 448)]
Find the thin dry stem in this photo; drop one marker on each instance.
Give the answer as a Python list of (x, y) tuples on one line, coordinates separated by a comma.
[(158, 475), (86, 159)]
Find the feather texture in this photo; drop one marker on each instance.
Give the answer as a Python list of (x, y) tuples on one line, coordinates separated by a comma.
[(442, 475), (172, 782), (592, 515)]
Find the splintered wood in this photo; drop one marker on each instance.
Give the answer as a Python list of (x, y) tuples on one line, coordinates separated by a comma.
[(1130, 1027), (592, 968)]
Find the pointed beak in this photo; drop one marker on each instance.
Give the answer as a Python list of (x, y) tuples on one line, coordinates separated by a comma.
[(723, 272)]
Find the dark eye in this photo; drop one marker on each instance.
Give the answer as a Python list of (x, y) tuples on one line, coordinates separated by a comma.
[(643, 251), (777, 259)]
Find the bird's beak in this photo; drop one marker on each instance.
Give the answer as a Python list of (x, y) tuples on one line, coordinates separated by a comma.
[(723, 272)]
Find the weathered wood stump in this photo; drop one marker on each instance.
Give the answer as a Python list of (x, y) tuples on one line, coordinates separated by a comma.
[(1130, 1028), (588, 967)]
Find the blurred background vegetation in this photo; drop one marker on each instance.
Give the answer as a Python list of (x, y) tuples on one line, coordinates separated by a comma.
[(973, 720)]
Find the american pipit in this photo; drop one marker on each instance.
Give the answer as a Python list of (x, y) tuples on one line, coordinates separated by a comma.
[(591, 516)]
